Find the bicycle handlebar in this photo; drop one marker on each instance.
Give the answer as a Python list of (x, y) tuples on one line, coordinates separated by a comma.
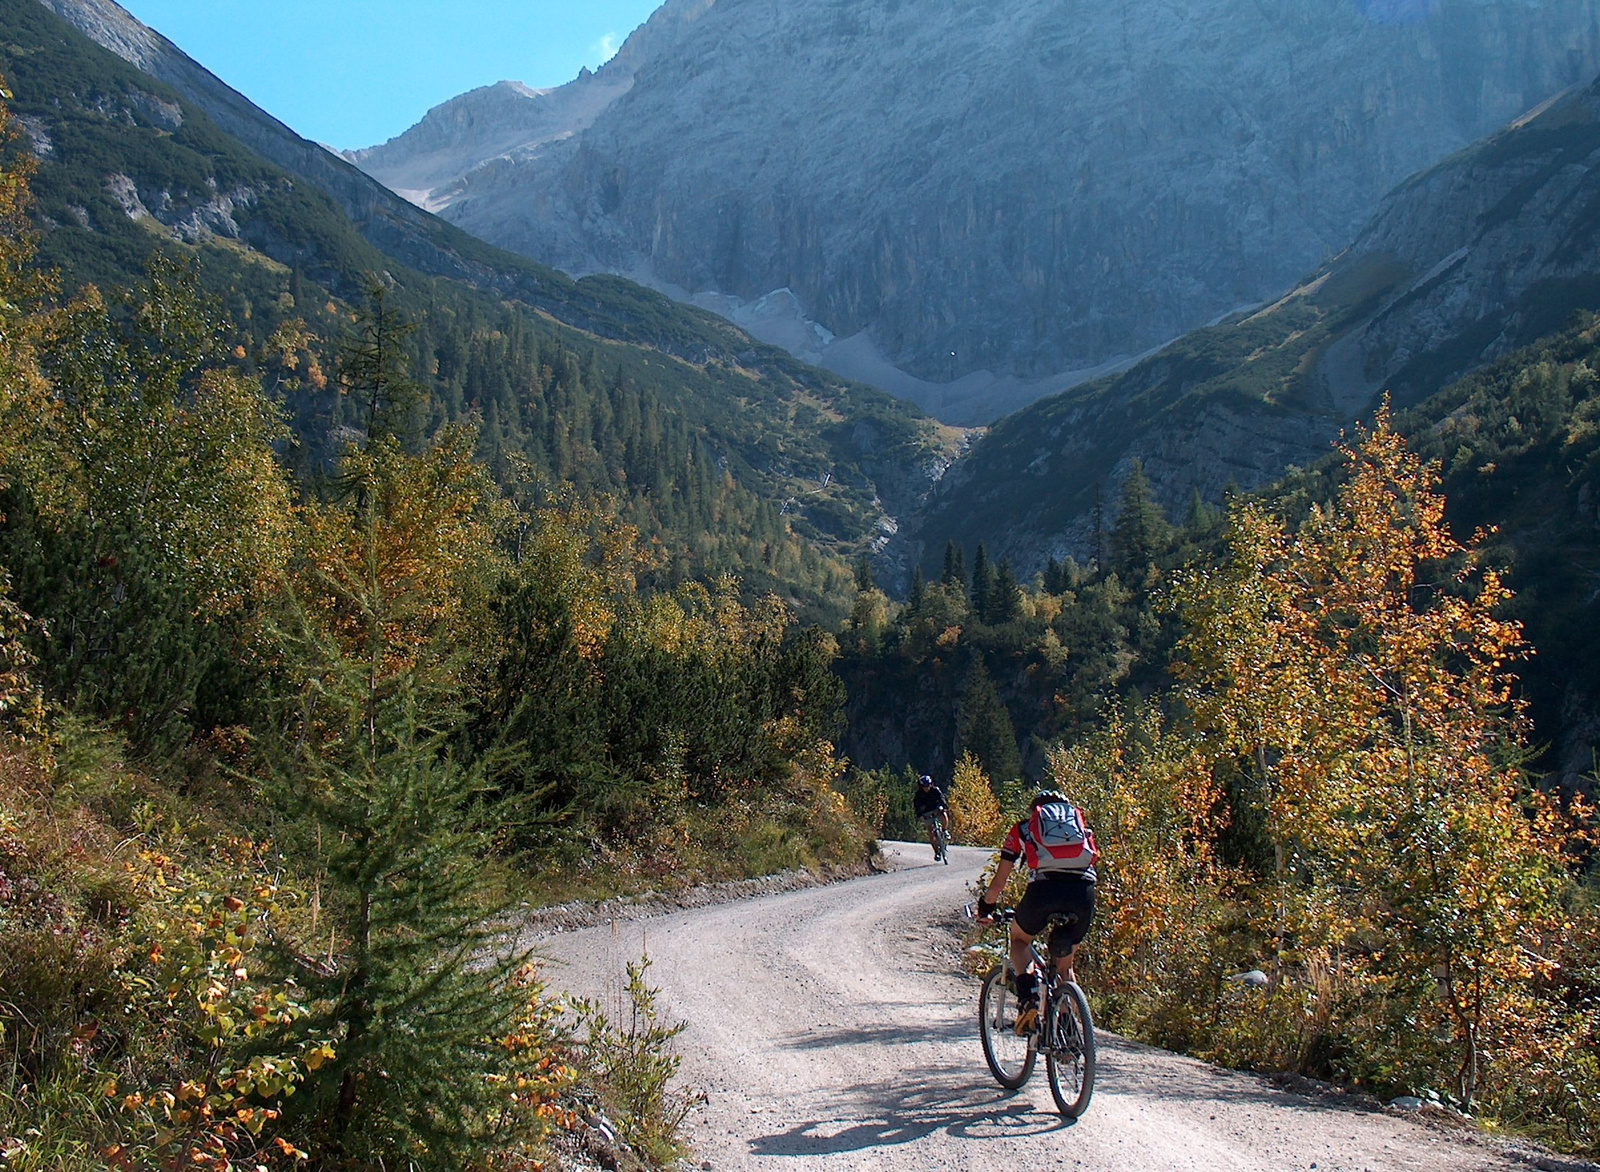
[(1006, 915)]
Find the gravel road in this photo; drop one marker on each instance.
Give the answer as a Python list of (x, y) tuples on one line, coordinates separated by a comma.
[(830, 1029)]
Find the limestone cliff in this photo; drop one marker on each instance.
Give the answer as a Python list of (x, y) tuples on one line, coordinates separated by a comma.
[(1468, 260), (964, 202)]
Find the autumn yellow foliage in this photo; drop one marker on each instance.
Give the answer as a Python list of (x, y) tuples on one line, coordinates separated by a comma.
[(975, 816), (1345, 810)]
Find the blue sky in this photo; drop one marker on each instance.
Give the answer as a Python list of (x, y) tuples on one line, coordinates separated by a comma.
[(352, 73)]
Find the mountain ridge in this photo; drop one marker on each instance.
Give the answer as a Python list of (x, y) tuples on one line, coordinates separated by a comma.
[(509, 118), (1038, 196), (128, 165), (1463, 263), (390, 223)]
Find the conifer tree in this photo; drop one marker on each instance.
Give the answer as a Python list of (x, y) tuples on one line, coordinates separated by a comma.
[(1141, 532), (1200, 518), (955, 570), (918, 588), (1005, 596), (1099, 521), (380, 636), (864, 580), (1054, 576), (417, 989), (982, 584), (375, 369), (985, 729)]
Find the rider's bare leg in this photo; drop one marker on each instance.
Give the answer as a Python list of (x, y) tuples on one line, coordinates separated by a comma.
[(1021, 953), (1064, 965)]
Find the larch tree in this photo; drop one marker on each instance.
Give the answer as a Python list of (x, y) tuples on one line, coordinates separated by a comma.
[(387, 630), (1358, 668), (975, 815)]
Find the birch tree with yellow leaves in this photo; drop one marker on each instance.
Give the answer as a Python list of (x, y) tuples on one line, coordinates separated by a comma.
[(1357, 675)]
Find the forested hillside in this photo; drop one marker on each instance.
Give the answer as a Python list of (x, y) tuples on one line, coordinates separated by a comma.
[(1301, 730), (1011, 193), (1486, 252), (730, 455), (976, 661), (343, 610), (288, 730), (346, 610), (1490, 250), (1517, 449)]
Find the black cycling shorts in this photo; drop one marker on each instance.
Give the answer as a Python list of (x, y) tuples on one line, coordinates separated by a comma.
[(1050, 895)]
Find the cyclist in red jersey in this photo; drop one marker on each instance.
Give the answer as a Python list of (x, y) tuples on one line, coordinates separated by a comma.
[(1058, 848)]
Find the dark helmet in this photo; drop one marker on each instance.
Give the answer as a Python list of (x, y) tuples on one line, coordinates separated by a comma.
[(924, 780), (1046, 796)]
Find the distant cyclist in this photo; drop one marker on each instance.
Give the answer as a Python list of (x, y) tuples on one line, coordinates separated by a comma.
[(1058, 847), (929, 805)]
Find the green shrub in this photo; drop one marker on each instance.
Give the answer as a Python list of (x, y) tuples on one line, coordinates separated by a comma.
[(634, 1068)]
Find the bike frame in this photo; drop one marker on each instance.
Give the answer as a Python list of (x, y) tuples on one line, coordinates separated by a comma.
[(1065, 1046), (1049, 981)]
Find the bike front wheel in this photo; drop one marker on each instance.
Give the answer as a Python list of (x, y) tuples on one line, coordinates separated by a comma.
[(1069, 1050), (1010, 1057)]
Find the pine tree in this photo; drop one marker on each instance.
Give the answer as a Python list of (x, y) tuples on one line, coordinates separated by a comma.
[(955, 570), (985, 728), (1005, 596), (982, 584), (1141, 533), (1200, 518), (1099, 522), (1054, 577), (864, 580), (375, 369), (918, 589)]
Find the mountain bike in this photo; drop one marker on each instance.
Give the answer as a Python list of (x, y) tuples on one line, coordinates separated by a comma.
[(941, 838), (1065, 1035)]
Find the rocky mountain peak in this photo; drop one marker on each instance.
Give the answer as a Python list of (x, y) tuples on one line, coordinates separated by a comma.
[(511, 120), (978, 203)]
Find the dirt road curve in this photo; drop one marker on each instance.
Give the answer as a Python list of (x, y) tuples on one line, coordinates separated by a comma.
[(830, 1031)]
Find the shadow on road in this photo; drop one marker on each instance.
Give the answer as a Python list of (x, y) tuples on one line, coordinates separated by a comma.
[(827, 1037), (908, 1108), (1124, 1069)]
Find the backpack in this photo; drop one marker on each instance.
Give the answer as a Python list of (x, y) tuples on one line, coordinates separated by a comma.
[(1062, 843)]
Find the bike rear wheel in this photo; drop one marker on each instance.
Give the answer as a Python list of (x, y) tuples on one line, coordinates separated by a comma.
[(1069, 1050), (1010, 1058)]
